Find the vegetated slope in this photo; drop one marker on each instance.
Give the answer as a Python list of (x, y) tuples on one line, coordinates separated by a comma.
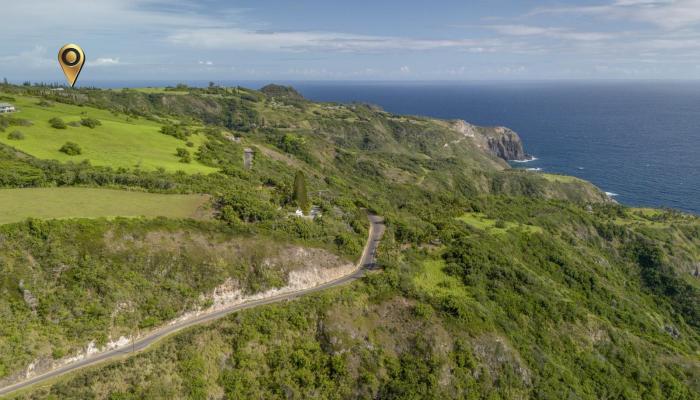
[(568, 311), (358, 143), (69, 283), (495, 283)]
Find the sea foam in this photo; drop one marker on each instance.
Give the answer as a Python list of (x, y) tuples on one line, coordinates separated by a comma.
[(531, 159)]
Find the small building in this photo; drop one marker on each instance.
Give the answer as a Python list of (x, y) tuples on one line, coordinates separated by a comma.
[(6, 108)]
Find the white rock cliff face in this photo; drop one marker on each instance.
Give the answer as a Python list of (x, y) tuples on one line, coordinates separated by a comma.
[(230, 294)]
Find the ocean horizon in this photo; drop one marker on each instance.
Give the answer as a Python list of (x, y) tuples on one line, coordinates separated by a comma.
[(636, 140)]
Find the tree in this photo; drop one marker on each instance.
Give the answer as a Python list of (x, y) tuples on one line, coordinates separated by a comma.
[(300, 195)]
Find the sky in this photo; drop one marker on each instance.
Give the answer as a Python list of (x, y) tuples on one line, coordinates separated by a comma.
[(360, 40)]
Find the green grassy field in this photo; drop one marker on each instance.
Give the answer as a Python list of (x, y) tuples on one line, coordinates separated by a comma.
[(118, 142), (561, 178), (55, 203)]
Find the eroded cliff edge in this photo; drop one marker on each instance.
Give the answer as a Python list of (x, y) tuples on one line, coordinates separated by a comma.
[(505, 143), (498, 141)]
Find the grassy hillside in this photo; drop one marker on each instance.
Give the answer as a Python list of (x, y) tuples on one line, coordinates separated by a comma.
[(51, 203), (120, 141), (494, 283)]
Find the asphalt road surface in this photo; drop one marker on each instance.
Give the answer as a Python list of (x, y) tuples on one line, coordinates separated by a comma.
[(367, 262)]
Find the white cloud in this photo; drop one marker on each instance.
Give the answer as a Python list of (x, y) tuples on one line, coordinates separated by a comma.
[(105, 62), (37, 57), (168, 38), (149, 21), (241, 39), (510, 70), (556, 33), (668, 14), (98, 16)]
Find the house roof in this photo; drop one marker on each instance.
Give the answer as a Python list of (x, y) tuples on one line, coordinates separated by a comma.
[(6, 105)]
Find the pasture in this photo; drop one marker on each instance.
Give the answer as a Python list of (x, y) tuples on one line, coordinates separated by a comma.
[(121, 141), (74, 202)]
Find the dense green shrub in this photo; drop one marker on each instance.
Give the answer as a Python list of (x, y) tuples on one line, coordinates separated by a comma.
[(7, 121), (15, 135), (91, 123), (71, 148), (184, 155), (57, 123)]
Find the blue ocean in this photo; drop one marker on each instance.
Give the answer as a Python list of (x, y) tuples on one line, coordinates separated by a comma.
[(638, 141)]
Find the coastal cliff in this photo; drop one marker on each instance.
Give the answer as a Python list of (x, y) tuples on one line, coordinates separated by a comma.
[(505, 143), (498, 141)]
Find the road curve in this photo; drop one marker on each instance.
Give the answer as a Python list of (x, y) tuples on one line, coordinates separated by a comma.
[(367, 262)]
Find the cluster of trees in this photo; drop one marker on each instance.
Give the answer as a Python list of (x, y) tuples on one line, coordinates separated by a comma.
[(8, 121), (58, 123), (240, 114), (662, 280), (177, 131)]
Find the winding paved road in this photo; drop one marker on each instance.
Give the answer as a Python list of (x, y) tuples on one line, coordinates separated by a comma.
[(367, 262)]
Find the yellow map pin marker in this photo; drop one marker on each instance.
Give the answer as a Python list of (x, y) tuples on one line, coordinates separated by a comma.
[(71, 58)]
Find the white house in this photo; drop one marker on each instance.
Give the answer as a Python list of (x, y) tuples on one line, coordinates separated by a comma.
[(6, 108)]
